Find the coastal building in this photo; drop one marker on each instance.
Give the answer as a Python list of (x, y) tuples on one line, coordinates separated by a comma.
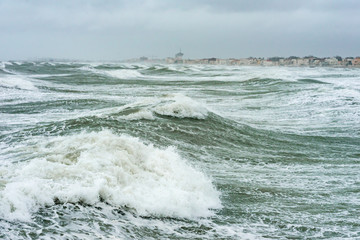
[(178, 57), (331, 61), (308, 61), (356, 61)]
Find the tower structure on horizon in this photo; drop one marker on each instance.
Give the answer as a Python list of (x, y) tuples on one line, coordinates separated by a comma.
[(179, 55)]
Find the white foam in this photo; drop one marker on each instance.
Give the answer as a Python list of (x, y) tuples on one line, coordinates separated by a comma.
[(174, 105), (121, 170), (8, 63), (119, 73), (18, 82), (3, 66), (124, 73), (181, 106), (143, 114)]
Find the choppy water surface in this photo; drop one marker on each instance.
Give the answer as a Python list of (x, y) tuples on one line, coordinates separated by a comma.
[(135, 151)]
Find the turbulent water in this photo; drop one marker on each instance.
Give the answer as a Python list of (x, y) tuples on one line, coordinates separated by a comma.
[(136, 151)]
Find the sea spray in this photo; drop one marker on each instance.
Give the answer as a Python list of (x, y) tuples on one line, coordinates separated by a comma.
[(18, 82), (171, 105), (281, 144), (102, 166), (123, 73), (181, 106), (115, 73)]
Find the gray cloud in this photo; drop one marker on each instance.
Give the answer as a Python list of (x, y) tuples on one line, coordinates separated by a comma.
[(113, 30)]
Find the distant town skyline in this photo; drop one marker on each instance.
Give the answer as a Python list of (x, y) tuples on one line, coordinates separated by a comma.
[(292, 61), (122, 29)]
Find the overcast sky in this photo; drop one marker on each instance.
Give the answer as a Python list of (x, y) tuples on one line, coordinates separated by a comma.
[(122, 29)]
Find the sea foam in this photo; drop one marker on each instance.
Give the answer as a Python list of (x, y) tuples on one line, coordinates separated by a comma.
[(119, 73), (123, 73), (181, 106), (101, 166), (19, 82), (171, 105)]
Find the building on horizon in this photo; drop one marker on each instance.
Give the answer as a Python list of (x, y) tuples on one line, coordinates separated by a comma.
[(178, 57)]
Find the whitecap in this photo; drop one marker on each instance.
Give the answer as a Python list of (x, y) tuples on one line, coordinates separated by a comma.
[(8, 63), (172, 105), (119, 73), (142, 114), (120, 170), (19, 82), (124, 73), (181, 106)]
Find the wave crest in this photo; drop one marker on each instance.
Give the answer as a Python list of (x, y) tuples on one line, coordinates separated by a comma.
[(115, 73), (181, 106), (171, 105), (16, 82), (120, 170), (124, 73)]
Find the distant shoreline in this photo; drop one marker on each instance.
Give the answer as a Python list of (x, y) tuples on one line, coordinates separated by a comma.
[(309, 61)]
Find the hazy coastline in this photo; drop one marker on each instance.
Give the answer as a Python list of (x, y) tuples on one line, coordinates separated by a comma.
[(292, 61)]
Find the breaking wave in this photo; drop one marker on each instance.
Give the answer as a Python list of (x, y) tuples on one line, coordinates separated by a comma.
[(171, 105), (124, 73), (3, 67), (181, 106), (115, 73), (101, 166), (12, 81)]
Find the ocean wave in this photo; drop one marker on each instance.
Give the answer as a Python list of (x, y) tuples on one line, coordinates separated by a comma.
[(3, 64), (115, 73), (181, 106), (311, 81), (19, 82), (170, 105), (3, 67), (263, 82), (141, 114), (124, 73), (101, 166), (163, 70)]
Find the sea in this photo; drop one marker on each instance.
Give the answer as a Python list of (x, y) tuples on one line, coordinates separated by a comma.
[(111, 150)]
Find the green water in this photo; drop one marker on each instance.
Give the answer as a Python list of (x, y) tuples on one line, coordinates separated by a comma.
[(136, 151)]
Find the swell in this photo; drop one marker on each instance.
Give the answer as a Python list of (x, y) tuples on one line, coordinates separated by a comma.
[(162, 70), (311, 81), (266, 82), (113, 67), (89, 78), (233, 139), (255, 144), (257, 82), (120, 66), (3, 71), (44, 68), (36, 107)]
